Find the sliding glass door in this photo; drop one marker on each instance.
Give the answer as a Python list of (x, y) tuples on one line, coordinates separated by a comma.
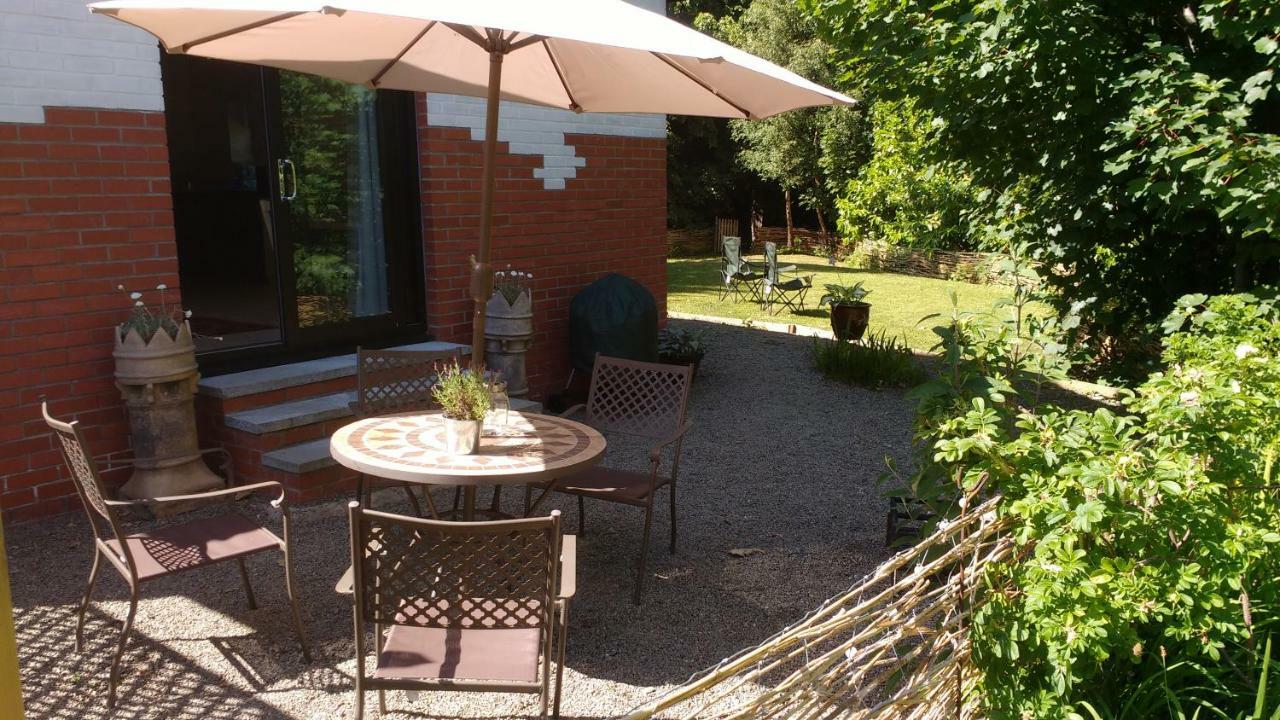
[(334, 176)]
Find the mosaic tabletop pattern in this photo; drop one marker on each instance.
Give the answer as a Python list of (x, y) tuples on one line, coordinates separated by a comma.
[(526, 447)]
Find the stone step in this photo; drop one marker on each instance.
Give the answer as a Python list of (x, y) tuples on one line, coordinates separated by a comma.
[(314, 455), (259, 380), (292, 414)]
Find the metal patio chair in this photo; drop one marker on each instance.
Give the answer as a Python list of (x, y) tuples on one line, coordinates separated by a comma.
[(474, 606), (186, 545), (790, 292), (736, 273), (640, 399), (398, 381)]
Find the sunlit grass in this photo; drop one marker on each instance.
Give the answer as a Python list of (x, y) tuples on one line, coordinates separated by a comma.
[(898, 302)]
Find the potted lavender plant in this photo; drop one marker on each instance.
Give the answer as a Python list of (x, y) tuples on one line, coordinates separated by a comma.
[(465, 397)]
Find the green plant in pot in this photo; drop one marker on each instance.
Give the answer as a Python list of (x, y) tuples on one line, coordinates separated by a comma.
[(465, 397), (682, 347), (850, 312)]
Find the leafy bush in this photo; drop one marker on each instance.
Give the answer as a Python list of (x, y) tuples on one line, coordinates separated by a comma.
[(1147, 530), (878, 360), (320, 273), (682, 346)]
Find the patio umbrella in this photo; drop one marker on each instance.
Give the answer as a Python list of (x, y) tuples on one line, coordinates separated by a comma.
[(580, 55)]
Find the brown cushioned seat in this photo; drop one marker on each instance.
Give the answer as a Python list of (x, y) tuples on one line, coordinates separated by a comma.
[(609, 483), (196, 543), (508, 654)]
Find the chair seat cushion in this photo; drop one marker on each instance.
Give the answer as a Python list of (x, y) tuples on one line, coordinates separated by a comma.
[(609, 484), (435, 653), (793, 284), (196, 543)]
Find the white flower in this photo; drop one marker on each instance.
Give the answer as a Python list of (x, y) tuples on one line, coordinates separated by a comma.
[(119, 287), (186, 314), (139, 304), (136, 296), (162, 286), (1191, 397), (1235, 386), (1244, 350)]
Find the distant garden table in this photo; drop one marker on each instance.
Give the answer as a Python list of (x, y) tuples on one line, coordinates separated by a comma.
[(527, 448)]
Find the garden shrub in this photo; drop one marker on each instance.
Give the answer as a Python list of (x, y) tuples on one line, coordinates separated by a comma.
[(878, 360), (1147, 537)]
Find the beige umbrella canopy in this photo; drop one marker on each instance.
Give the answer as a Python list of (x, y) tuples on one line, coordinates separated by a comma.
[(580, 55)]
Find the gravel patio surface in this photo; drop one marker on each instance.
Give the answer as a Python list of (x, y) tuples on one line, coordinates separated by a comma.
[(780, 460)]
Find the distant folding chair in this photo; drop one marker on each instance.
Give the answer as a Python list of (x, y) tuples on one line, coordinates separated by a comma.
[(646, 400), (144, 556), (736, 273), (475, 606), (397, 381), (789, 292)]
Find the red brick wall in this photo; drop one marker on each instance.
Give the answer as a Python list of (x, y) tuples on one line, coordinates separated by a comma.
[(84, 206), (610, 218)]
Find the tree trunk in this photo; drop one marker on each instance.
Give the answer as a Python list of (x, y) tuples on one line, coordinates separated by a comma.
[(786, 194)]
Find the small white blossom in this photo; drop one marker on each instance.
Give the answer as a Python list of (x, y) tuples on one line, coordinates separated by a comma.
[(139, 304), (186, 314), (1191, 397), (119, 287), (1244, 350), (162, 286), (1235, 386), (136, 296)]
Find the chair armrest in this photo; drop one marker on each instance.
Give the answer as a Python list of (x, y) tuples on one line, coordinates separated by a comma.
[(787, 269), (655, 453), (568, 567), (573, 410), (211, 495)]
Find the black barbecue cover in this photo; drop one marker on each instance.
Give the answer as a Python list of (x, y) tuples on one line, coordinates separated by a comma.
[(614, 316)]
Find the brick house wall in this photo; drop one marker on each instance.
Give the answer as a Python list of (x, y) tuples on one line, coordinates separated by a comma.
[(86, 205)]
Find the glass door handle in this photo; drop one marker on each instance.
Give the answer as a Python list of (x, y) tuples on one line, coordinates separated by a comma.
[(292, 193)]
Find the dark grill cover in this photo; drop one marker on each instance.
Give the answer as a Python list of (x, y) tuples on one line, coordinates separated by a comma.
[(613, 316)]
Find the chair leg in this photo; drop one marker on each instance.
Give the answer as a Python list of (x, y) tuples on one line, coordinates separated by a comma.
[(360, 488), (496, 506), (528, 499), (431, 503), (644, 552), (88, 592), (359, 700), (292, 592), (672, 491), (560, 643), (413, 499), (582, 517), (114, 679), (248, 589), (382, 701), (457, 498)]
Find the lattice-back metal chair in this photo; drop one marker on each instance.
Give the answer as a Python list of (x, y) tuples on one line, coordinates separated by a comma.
[(788, 292), (639, 399), (480, 606), (143, 556), (398, 381), (736, 273)]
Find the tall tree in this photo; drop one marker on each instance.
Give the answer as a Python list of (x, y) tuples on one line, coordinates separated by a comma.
[(1136, 142), (807, 152)]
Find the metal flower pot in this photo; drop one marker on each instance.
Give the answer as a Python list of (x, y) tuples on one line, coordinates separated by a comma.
[(508, 332), (462, 437), (849, 320)]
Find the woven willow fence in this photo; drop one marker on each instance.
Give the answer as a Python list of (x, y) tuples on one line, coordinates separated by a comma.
[(895, 646)]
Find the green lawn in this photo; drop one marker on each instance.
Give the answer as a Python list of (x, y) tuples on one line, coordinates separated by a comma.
[(897, 301)]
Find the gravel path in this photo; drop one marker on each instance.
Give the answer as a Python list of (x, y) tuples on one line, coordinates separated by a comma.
[(780, 460)]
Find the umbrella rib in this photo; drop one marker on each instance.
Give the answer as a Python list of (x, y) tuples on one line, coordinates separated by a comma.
[(703, 85), (387, 68), (573, 103), (243, 28), (470, 33)]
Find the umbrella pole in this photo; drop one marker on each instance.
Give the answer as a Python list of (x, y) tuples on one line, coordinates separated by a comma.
[(481, 272)]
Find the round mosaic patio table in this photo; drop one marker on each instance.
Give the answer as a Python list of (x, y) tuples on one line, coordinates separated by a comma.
[(529, 447)]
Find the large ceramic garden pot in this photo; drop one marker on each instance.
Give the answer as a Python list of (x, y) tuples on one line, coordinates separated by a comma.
[(462, 437), (508, 333), (157, 379), (849, 320)]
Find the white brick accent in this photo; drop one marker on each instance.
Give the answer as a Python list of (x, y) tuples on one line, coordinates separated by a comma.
[(535, 130), (55, 53)]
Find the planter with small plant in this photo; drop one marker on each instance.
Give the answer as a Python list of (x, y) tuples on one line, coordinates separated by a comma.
[(465, 397), (156, 374), (682, 347), (850, 312)]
